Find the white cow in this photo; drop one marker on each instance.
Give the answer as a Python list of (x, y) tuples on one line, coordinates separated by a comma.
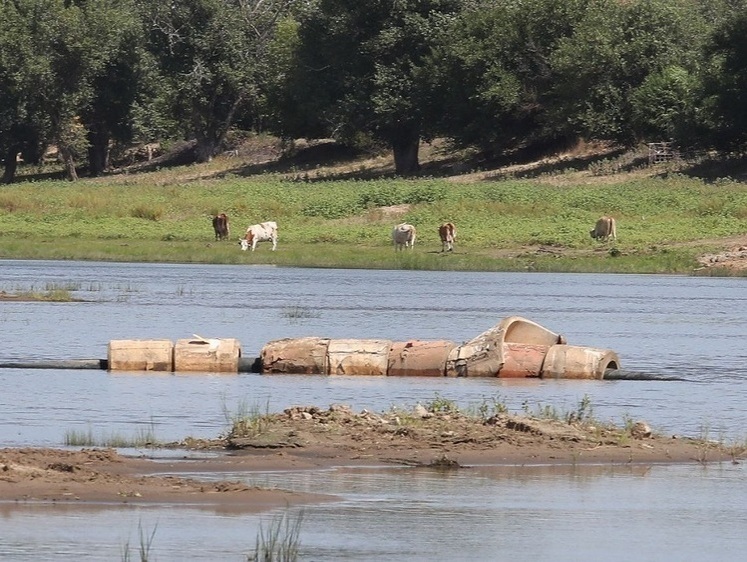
[(403, 236), (264, 232), (604, 229)]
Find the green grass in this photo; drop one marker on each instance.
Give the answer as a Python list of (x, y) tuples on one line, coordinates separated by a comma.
[(663, 223), (280, 542), (145, 545), (52, 292), (86, 438), (246, 421)]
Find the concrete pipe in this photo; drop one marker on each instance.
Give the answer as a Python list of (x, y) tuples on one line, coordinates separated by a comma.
[(140, 355), (419, 358), (521, 360), (100, 364), (572, 362), (210, 355), (482, 356), (520, 330), (358, 357), (299, 356), (475, 359)]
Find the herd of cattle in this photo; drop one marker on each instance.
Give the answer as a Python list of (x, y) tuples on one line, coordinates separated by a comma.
[(403, 235)]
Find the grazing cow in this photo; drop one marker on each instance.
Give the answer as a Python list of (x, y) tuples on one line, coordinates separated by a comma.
[(447, 232), (604, 229), (403, 236), (220, 226), (264, 232)]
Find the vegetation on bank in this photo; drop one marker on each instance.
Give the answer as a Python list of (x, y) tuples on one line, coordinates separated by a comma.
[(52, 292), (505, 222)]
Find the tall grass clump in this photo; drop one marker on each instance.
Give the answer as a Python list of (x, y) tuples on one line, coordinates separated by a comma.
[(52, 292), (145, 545), (246, 421), (280, 542), (489, 407), (582, 414), (297, 312), (144, 437), (142, 212)]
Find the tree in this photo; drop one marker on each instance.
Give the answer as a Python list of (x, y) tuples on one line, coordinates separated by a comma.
[(611, 53), (490, 74), (727, 87), (53, 51), (23, 72), (359, 69), (115, 86), (664, 105), (210, 54)]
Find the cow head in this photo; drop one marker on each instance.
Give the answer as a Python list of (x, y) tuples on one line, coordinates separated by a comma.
[(244, 243)]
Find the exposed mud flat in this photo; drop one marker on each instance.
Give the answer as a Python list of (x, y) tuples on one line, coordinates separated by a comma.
[(309, 437)]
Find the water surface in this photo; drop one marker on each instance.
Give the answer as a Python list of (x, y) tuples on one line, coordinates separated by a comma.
[(662, 325)]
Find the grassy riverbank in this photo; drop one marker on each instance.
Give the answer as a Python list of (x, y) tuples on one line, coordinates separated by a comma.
[(506, 220)]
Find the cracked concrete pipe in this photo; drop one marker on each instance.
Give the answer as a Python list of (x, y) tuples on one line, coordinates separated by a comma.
[(358, 357), (521, 360), (295, 356), (481, 356), (419, 358), (572, 362), (140, 355), (212, 355), (516, 329)]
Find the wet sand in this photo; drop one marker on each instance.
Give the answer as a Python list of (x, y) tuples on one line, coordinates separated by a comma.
[(310, 438)]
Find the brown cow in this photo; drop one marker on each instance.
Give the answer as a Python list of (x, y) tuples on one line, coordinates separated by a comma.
[(447, 232), (604, 229), (220, 226)]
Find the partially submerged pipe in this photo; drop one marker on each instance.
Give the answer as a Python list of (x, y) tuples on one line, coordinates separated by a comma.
[(254, 365), (621, 375), (101, 364), (246, 364), (514, 348)]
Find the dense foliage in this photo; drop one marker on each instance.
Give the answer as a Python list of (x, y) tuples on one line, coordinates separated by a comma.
[(89, 75)]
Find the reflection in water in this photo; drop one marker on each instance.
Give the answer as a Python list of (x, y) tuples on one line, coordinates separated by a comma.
[(482, 513), (663, 325)]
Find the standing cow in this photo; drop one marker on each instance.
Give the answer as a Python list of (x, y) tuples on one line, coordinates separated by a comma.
[(604, 229), (263, 232), (403, 236), (220, 226), (447, 233)]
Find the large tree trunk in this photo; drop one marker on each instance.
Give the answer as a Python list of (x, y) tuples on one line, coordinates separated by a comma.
[(205, 149), (405, 150), (11, 163), (98, 151), (69, 161)]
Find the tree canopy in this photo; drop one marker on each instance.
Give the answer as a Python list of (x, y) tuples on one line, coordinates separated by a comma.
[(89, 75)]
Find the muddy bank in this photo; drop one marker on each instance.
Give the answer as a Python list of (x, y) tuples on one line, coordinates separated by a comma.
[(104, 478), (309, 437), (442, 435)]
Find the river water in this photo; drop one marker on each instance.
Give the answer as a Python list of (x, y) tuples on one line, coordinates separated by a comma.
[(694, 328)]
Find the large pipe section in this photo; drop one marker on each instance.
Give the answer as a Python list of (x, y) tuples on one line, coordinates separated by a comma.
[(514, 348)]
